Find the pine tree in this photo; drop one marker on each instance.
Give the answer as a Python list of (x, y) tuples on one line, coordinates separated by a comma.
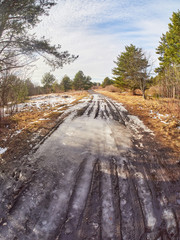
[(18, 47), (47, 81), (107, 81), (66, 84), (131, 69), (169, 51), (82, 82)]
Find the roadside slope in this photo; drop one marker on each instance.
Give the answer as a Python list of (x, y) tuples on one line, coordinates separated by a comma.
[(35, 119), (161, 116)]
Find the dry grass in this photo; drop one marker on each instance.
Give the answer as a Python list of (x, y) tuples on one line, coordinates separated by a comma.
[(168, 131), (21, 131), (112, 88)]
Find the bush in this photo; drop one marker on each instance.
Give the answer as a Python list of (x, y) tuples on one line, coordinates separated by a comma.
[(112, 88)]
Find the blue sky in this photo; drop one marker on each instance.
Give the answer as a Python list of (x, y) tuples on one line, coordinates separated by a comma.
[(98, 31)]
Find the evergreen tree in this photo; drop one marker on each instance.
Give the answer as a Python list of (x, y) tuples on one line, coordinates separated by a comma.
[(55, 87), (107, 81), (78, 81), (47, 81), (66, 84), (169, 47), (18, 47), (87, 83), (81, 82), (131, 69), (169, 51)]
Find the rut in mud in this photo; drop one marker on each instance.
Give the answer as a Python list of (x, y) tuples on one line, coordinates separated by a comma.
[(100, 175)]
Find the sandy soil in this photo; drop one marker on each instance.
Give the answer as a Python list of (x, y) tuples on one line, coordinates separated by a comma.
[(99, 175)]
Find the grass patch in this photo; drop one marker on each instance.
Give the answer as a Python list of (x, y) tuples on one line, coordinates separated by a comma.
[(160, 115)]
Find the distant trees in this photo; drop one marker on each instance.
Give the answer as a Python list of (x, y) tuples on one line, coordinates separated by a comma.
[(66, 84), (47, 81), (107, 81), (169, 51), (131, 69), (81, 82), (55, 87), (30, 87)]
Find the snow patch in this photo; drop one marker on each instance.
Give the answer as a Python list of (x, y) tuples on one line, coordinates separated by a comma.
[(16, 133), (136, 122), (3, 150), (43, 119), (163, 118), (169, 217), (44, 101), (120, 106)]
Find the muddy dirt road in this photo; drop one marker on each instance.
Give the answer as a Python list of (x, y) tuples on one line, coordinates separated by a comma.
[(99, 175)]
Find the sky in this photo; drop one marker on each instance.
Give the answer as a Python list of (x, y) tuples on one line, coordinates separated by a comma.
[(99, 30)]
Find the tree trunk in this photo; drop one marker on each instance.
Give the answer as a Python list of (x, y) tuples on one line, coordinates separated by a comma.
[(174, 92), (144, 95)]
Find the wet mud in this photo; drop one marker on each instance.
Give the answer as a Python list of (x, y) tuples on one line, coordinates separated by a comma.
[(99, 175)]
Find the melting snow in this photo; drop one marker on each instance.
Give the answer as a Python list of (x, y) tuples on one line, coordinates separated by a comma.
[(136, 121), (3, 150), (120, 106), (161, 117), (51, 100), (16, 133), (48, 101)]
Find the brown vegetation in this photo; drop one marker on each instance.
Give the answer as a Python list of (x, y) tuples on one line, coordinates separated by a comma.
[(160, 115), (20, 132)]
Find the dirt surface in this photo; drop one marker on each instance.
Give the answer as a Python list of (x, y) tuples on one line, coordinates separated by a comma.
[(35, 120), (99, 175)]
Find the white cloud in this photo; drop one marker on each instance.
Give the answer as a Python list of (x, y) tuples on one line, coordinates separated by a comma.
[(98, 30), (96, 54)]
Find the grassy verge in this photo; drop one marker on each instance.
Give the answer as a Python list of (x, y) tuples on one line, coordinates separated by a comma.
[(25, 129), (162, 116)]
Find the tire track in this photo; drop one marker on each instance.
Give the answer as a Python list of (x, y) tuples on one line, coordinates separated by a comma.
[(90, 227), (95, 182), (78, 200)]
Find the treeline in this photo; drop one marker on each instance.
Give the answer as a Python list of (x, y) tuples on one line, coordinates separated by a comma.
[(14, 90), (79, 82), (134, 70)]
